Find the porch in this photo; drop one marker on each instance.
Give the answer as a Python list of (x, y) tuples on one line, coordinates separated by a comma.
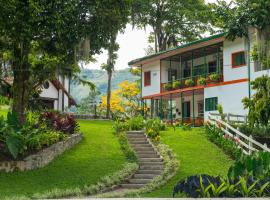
[(183, 107), (191, 68)]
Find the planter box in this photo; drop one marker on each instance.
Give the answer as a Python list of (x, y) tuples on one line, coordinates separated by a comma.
[(41, 158)]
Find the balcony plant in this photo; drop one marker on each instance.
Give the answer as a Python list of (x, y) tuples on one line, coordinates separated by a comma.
[(201, 81), (168, 86), (214, 77), (176, 84), (189, 82)]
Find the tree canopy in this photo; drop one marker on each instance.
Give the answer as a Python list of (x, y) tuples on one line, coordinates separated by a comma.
[(46, 37), (172, 21)]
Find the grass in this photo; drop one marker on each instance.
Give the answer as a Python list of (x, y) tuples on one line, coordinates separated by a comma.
[(196, 156), (3, 110), (97, 155)]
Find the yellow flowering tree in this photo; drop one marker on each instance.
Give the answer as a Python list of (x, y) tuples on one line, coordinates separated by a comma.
[(125, 100)]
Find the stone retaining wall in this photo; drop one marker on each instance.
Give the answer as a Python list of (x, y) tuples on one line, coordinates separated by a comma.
[(43, 157)]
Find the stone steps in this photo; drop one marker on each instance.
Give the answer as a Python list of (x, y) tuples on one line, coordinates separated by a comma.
[(150, 163)]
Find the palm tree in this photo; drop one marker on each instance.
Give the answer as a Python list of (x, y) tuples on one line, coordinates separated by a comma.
[(109, 67)]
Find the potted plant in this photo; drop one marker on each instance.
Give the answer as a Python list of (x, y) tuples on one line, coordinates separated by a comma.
[(201, 81), (168, 86), (189, 82), (176, 84), (214, 77)]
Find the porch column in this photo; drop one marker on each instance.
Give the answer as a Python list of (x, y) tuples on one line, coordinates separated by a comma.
[(171, 70), (192, 65), (152, 107), (160, 108), (171, 114), (218, 65), (205, 64), (142, 110), (193, 108), (181, 104)]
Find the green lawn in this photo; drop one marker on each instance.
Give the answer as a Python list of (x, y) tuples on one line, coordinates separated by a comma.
[(3, 110), (97, 155), (196, 155)]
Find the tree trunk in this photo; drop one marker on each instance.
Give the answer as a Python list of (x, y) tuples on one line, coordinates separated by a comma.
[(21, 83), (108, 112)]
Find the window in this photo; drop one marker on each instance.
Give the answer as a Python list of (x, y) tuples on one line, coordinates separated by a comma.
[(211, 104), (147, 78), (238, 59), (198, 70), (212, 67)]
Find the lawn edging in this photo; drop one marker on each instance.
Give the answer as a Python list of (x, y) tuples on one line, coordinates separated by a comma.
[(106, 183), (41, 158)]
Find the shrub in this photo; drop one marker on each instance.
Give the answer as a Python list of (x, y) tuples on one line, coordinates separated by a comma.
[(189, 82), (201, 81), (120, 126), (229, 146), (128, 151), (136, 123), (153, 127), (257, 131), (257, 165), (66, 124), (4, 100), (215, 186)]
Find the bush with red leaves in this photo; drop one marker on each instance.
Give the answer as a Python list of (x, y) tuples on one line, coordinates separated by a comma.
[(66, 124)]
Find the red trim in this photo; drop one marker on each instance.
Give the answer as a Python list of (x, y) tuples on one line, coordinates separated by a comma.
[(160, 76), (197, 88), (232, 59)]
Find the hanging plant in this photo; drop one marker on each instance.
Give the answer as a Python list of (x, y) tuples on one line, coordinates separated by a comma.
[(176, 84), (189, 82), (201, 81), (168, 86), (214, 77)]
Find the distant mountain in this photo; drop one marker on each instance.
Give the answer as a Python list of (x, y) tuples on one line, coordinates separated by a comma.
[(99, 78)]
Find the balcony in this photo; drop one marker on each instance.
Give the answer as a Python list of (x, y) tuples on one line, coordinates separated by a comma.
[(199, 80), (198, 67)]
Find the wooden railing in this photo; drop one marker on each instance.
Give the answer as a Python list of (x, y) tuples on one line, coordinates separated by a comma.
[(230, 118), (247, 144)]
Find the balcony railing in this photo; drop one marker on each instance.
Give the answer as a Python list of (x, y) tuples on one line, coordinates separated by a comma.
[(191, 82)]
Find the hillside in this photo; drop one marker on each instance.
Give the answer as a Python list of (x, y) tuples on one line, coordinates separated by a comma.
[(99, 78)]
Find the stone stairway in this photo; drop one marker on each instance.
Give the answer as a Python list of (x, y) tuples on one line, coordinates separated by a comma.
[(150, 163)]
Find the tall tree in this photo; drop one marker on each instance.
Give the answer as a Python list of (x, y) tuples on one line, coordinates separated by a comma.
[(109, 67), (172, 21), (44, 37)]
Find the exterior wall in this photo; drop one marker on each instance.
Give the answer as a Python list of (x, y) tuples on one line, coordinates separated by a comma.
[(154, 88), (229, 96), (51, 92), (229, 48), (197, 98), (66, 101)]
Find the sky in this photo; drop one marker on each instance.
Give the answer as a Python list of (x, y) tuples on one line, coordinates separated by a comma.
[(132, 42)]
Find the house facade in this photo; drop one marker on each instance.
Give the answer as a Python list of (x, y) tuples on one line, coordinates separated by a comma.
[(56, 93), (189, 81)]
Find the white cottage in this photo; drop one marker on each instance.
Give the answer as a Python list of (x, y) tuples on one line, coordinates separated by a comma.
[(56, 93), (189, 81)]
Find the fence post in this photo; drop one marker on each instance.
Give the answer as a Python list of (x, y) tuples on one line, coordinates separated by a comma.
[(245, 119), (250, 145), (228, 118), (265, 145)]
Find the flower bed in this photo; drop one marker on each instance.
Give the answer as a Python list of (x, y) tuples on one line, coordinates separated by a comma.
[(42, 158)]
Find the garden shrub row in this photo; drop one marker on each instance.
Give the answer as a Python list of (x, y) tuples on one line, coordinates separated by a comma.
[(39, 131)]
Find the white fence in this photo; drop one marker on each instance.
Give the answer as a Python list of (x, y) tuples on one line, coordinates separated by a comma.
[(230, 118), (247, 144)]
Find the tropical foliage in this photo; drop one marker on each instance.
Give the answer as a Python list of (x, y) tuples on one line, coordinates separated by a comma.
[(17, 141)]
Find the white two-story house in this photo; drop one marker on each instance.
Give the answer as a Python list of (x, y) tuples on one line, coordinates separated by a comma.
[(187, 82)]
